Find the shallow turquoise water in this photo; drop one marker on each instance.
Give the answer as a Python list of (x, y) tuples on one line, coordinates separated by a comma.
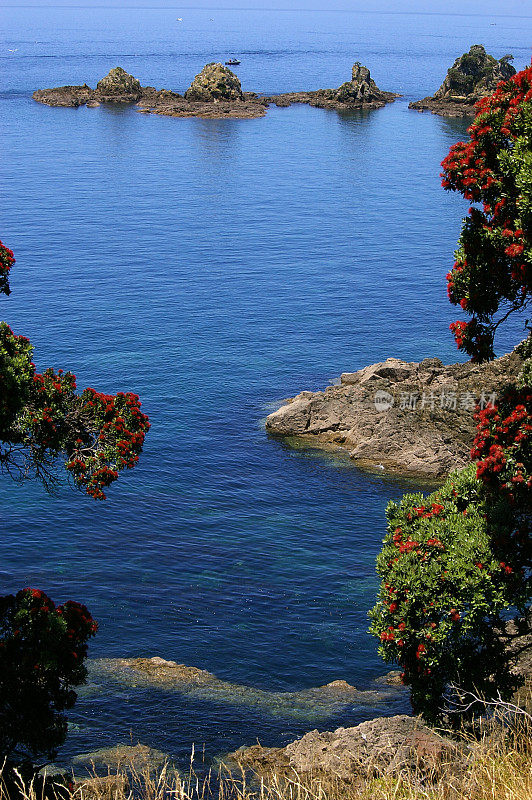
[(215, 267)]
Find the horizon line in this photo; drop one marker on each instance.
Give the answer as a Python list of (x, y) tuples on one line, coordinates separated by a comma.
[(269, 8)]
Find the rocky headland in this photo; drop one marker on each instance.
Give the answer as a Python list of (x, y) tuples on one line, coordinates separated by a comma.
[(215, 92), (409, 418), (472, 76), (361, 92)]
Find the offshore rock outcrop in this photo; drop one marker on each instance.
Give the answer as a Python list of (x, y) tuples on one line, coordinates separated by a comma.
[(385, 745), (118, 86), (410, 418), (315, 704), (472, 76), (215, 92), (360, 92)]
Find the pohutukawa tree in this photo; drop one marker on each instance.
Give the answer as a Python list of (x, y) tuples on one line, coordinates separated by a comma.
[(492, 275), (45, 420), (42, 653), (455, 566)]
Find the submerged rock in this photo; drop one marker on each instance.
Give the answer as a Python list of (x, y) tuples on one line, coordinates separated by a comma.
[(472, 76), (411, 418), (139, 757), (118, 86), (385, 745), (316, 703), (215, 82)]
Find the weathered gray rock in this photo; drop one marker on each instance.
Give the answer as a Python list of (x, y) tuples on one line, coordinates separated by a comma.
[(118, 87), (472, 76), (385, 745), (412, 418), (213, 84)]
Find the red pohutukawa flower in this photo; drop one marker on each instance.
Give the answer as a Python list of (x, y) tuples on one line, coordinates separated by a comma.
[(493, 267), (115, 444)]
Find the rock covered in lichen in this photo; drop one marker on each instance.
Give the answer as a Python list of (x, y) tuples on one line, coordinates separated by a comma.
[(473, 75), (361, 88), (214, 83), (118, 86)]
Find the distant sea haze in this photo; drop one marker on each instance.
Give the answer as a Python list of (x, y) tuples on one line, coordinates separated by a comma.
[(216, 267)]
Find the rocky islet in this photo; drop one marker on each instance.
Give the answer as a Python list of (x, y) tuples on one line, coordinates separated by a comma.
[(472, 76)]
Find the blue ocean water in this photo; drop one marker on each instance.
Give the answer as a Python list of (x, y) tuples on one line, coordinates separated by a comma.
[(216, 267)]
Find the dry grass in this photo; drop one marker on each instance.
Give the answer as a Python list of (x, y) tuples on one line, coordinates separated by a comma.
[(498, 767)]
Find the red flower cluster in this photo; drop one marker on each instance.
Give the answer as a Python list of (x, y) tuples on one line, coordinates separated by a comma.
[(6, 262), (503, 444), (118, 432)]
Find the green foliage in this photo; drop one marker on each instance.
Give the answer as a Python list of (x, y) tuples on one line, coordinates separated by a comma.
[(459, 82), (447, 584)]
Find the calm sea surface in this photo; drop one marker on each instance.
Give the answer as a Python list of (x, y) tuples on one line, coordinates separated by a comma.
[(216, 267)]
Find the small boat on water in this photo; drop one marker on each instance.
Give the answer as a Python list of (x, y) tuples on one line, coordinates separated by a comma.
[(233, 62)]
